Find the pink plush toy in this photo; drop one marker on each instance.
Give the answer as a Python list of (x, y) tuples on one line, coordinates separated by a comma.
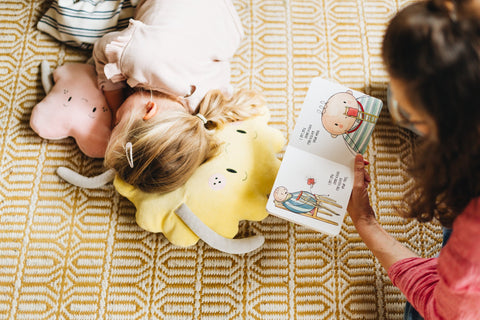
[(74, 107)]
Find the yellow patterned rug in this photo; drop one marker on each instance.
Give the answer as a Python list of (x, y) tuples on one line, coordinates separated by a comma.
[(69, 253)]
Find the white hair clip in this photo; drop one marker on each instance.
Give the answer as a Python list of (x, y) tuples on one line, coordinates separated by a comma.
[(202, 117), (129, 153)]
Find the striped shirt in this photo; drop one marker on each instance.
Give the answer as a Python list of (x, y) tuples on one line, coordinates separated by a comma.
[(358, 138), (80, 23)]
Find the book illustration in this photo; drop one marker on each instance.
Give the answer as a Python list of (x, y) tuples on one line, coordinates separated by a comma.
[(353, 118), (306, 203), (311, 182), (315, 179)]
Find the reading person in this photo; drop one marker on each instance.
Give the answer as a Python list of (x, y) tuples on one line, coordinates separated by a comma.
[(432, 53)]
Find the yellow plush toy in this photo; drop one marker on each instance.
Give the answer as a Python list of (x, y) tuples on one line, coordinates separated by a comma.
[(232, 186)]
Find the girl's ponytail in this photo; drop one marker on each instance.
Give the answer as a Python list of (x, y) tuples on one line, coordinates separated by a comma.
[(218, 109)]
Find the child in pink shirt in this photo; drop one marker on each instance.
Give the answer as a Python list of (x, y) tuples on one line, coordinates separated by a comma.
[(182, 48), (432, 53), (175, 54)]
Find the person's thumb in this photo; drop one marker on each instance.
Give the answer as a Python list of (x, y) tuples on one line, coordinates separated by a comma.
[(359, 170)]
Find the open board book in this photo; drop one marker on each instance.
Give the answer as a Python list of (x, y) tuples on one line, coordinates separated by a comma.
[(315, 179)]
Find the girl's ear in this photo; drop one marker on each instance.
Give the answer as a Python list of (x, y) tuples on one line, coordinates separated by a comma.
[(150, 110)]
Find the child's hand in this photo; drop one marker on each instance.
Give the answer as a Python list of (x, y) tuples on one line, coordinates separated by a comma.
[(359, 207)]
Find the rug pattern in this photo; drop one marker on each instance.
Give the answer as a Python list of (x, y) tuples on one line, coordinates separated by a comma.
[(69, 253)]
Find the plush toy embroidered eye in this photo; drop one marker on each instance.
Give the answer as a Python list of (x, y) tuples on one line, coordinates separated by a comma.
[(73, 107)]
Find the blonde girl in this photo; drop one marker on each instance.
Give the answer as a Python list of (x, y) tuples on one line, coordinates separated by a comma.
[(175, 54), (166, 143)]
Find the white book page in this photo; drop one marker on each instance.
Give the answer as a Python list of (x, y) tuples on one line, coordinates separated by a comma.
[(311, 133), (317, 189)]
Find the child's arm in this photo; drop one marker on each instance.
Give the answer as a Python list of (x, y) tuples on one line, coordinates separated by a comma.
[(114, 98), (113, 91)]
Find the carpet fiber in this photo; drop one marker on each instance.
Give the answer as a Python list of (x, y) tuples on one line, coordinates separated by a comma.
[(69, 253)]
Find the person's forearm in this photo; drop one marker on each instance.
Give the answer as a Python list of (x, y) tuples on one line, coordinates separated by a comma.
[(382, 244)]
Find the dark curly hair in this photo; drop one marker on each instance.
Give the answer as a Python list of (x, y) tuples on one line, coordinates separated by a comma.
[(434, 50)]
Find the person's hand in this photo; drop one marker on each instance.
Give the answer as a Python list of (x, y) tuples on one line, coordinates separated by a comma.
[(387, 250), (359, 207)]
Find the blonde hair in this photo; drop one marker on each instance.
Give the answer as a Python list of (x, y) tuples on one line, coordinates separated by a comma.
[(167, 149)]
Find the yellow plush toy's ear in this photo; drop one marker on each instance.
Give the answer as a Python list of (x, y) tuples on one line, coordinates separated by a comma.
[(231, 187)]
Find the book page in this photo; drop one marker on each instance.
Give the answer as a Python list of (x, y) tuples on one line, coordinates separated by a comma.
[(315, 179), (311, 191), (335, 122)]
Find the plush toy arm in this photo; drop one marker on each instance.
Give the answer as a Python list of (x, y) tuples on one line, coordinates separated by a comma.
[(46, 74), (233, 246), (78, 180)]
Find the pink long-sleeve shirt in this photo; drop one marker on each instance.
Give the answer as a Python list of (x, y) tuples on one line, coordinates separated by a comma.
[(179, 47), (447, 287)]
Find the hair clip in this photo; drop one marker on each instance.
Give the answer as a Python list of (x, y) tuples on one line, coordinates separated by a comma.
[(129, 153), (202, 117)]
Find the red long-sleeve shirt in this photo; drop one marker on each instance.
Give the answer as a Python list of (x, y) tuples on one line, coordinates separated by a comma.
[(447, 287)]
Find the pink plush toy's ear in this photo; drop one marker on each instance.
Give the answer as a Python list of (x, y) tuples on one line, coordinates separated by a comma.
[(75, 107)]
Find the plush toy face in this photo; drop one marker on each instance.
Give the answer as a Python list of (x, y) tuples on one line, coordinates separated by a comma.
[(231, 187), (75, 107)]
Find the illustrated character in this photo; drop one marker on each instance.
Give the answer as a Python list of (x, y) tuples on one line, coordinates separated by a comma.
[(340, 113), (353, 118), (305, 203)]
